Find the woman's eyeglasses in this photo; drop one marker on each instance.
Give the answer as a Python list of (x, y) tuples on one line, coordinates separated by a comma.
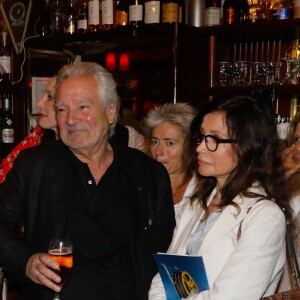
[(211, 142)]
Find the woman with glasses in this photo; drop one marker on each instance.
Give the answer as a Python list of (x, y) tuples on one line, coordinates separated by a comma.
[(234, 219), (291, 160)]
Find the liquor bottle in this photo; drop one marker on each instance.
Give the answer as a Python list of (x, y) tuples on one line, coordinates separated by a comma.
[(122, 13), (170, 11), (93, 15), (265, 10), (108, 14), (212, 12), (152, 12), (230, 12), (280, 10), (182, 11), (243, 11), (255, 11), (7, 122), (70, 17), (297, 9), (44, 28), (57, 17), (82, 22), (5, 57), (196, 13), (136, 13)]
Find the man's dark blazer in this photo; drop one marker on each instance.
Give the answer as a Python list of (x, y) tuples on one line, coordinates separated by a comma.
[(38, 192)]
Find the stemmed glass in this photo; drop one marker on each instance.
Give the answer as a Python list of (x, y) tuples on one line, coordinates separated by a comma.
[(62, 252), (258, 73), (242, 72), (272, 70), (289, 59), (224, 73)]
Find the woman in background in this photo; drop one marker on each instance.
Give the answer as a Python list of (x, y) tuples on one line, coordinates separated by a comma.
[(46, 120), (291, 160), (234, 219), (168, 129)]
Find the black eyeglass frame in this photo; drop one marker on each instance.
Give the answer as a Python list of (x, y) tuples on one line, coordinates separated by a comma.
[(198, 140)]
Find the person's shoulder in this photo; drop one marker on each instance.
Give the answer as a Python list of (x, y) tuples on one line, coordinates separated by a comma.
[(43, 150), (137, 158)]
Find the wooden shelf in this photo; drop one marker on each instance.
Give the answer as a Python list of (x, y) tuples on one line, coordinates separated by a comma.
[(119, 39)]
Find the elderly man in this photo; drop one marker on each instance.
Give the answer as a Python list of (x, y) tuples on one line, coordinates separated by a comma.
[(113, 202)]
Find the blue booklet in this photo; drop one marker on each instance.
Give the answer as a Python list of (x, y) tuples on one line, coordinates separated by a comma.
[(181, 274)]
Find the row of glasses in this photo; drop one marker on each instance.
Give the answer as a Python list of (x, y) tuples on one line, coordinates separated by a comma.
[(244, 72), (233, 73)]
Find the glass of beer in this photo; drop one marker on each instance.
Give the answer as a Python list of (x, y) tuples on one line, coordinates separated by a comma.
[(62, 252)]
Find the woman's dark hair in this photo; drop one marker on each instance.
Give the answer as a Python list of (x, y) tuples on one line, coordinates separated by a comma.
[(252, 124)]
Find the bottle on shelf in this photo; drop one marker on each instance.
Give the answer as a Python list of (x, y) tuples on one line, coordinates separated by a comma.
[(57, 17), (82, 22), (182, 11), (297, 9), (136, 13), (7, 122), (243, 11), (5, 55), (212, 12), (108, 8), (196, 12), (170, 11), (122, 13), (280, 10), (70, 17), (152, 12), (265, 10), (93, 15), (255, 11), (44, 24), (230, 12)]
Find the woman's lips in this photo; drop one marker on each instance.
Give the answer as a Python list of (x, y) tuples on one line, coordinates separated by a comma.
[(202, 162)]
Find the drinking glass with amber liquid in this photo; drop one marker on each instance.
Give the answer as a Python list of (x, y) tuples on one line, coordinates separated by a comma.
[(62, 252)]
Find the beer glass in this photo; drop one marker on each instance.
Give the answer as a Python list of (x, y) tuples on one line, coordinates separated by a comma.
[(62, 252)]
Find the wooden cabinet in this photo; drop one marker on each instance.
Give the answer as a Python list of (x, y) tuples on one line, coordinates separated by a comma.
[(174, 62), (264, 42)]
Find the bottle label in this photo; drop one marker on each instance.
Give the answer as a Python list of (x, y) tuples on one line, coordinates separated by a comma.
[(70, 26), (281, 14), (5, 62), (152, 12), (93, 12), (8, 135), (135, 13), (82, 24), (107, 12), (121, 17), (212, 16), (170, 12)]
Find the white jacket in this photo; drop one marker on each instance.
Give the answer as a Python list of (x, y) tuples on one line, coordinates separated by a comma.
[(237, 270)]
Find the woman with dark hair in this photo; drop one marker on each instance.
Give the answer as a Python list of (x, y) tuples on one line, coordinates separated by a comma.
[(234, 219)]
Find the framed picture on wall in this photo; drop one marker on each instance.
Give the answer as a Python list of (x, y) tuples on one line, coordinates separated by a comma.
[(39, 85)]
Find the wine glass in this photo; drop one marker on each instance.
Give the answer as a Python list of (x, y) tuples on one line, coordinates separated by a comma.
[(258, 73), (62, 252)]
